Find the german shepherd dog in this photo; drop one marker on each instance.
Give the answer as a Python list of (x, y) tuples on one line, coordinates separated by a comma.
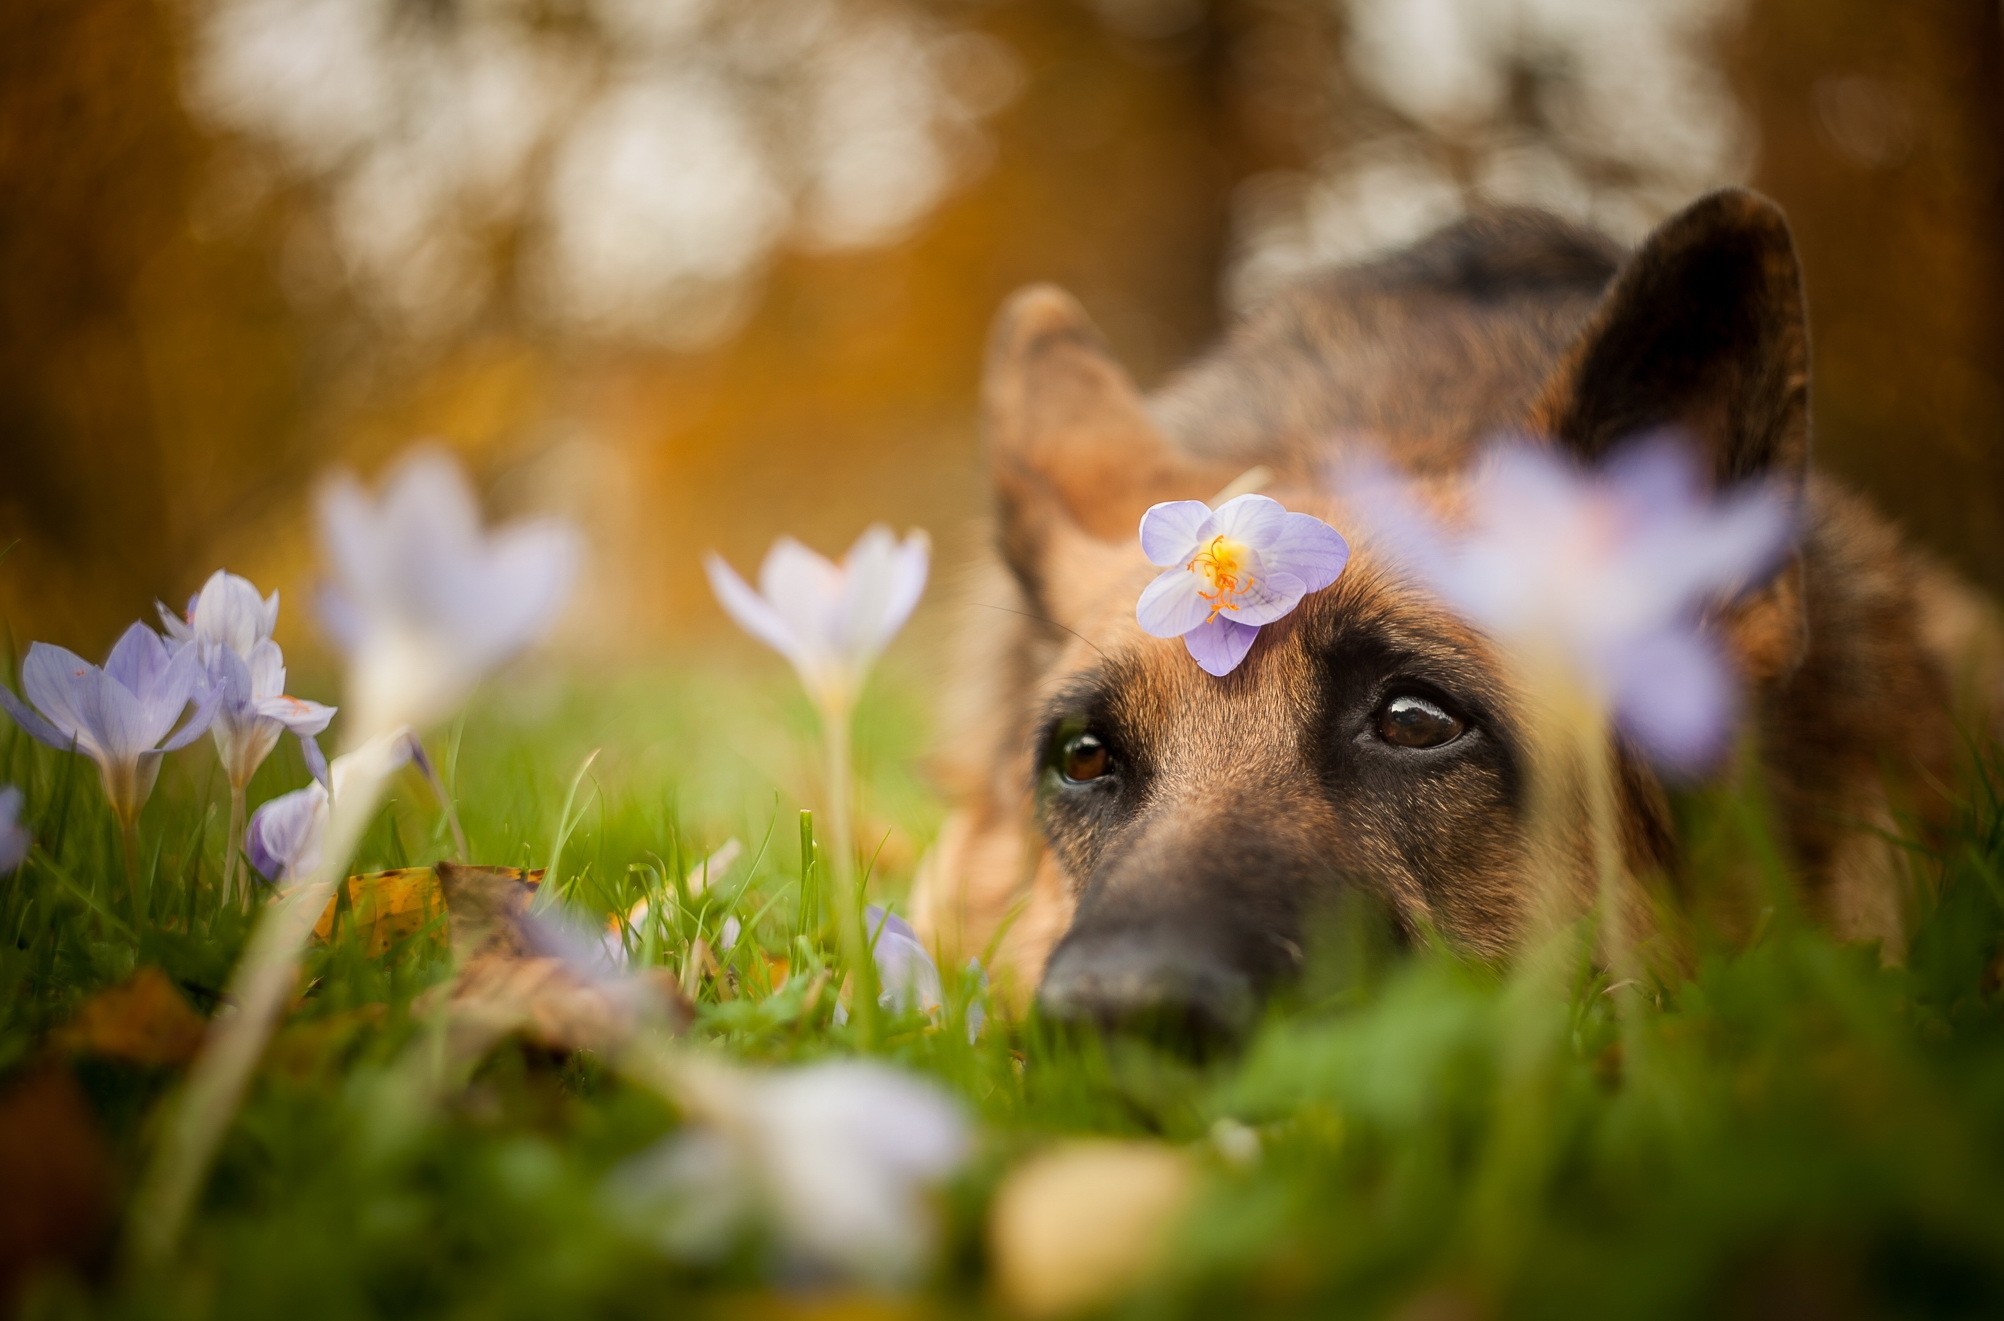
[(1138, 839)]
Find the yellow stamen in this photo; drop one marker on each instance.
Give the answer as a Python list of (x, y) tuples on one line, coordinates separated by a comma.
[(1222, 564)]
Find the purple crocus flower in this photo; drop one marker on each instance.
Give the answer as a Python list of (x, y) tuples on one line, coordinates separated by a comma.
[(1228, 571), (231, 627), (284, 835), (121, 716), (907, 976), (1606, 573), (283, 839), (831, 620), (13, 835), (423, 599)]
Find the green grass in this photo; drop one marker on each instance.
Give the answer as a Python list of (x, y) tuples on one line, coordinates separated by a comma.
[(1790, 1128)]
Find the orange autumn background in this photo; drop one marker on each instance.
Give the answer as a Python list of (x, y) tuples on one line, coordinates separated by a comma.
[(701, 273)]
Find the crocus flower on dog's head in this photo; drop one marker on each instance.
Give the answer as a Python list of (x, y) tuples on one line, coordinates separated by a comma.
[(13, 835), (230, 626), (1606, 572), (831, 620), (423, 599), (1228, 571), (121, 715)]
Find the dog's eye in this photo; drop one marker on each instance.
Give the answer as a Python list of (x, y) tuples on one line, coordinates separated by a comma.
[(1411, 721), (1083, 757)]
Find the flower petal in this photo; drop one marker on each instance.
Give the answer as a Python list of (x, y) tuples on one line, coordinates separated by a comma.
[(340, 619), (907, 977), (1172, 531), (32, 724), (284, 834), (266, 667), (805, 591), (185, 681), (530, 566), (229, 612), (114, 720), (230, 676), (750, 610), (1266, 597), (298, 715), (353, 546), (1219, 646), (173, 625), (54, 680), (882, 580), (1673, 694), (1308, 548), (1172, 605), (427, 508), (138, 660), (1256, 520), (316, 760)]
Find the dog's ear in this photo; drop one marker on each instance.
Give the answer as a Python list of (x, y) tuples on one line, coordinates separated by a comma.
[(1703, 331), (1074, 455)]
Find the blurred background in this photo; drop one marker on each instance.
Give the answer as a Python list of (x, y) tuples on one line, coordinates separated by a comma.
[(702, 271)]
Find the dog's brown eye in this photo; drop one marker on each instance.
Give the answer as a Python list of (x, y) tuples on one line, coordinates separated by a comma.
[(1410, 721), (1084, 758)]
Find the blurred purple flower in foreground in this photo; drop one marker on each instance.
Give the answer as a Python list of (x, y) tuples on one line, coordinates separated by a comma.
[(117, 715), (13, 835), (230, 626), (839, 1158), (831, 620), (423, 600), (1606, 572), (1229, 570)]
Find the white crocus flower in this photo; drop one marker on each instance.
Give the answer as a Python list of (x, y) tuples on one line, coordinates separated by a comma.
[(831, 620), (229, 626), (423, 599)]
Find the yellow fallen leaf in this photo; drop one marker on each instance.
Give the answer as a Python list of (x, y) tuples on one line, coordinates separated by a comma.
[(390, 906), (143, 1020), (1078, 1225)]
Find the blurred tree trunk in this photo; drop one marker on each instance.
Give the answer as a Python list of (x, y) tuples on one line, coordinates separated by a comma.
[(1882, 131)]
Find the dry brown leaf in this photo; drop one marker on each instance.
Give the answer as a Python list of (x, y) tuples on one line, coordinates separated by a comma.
[(517, 973), (143, 1020), (58, 1198)]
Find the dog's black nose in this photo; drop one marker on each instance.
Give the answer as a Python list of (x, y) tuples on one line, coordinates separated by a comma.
[(1164, 989)]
